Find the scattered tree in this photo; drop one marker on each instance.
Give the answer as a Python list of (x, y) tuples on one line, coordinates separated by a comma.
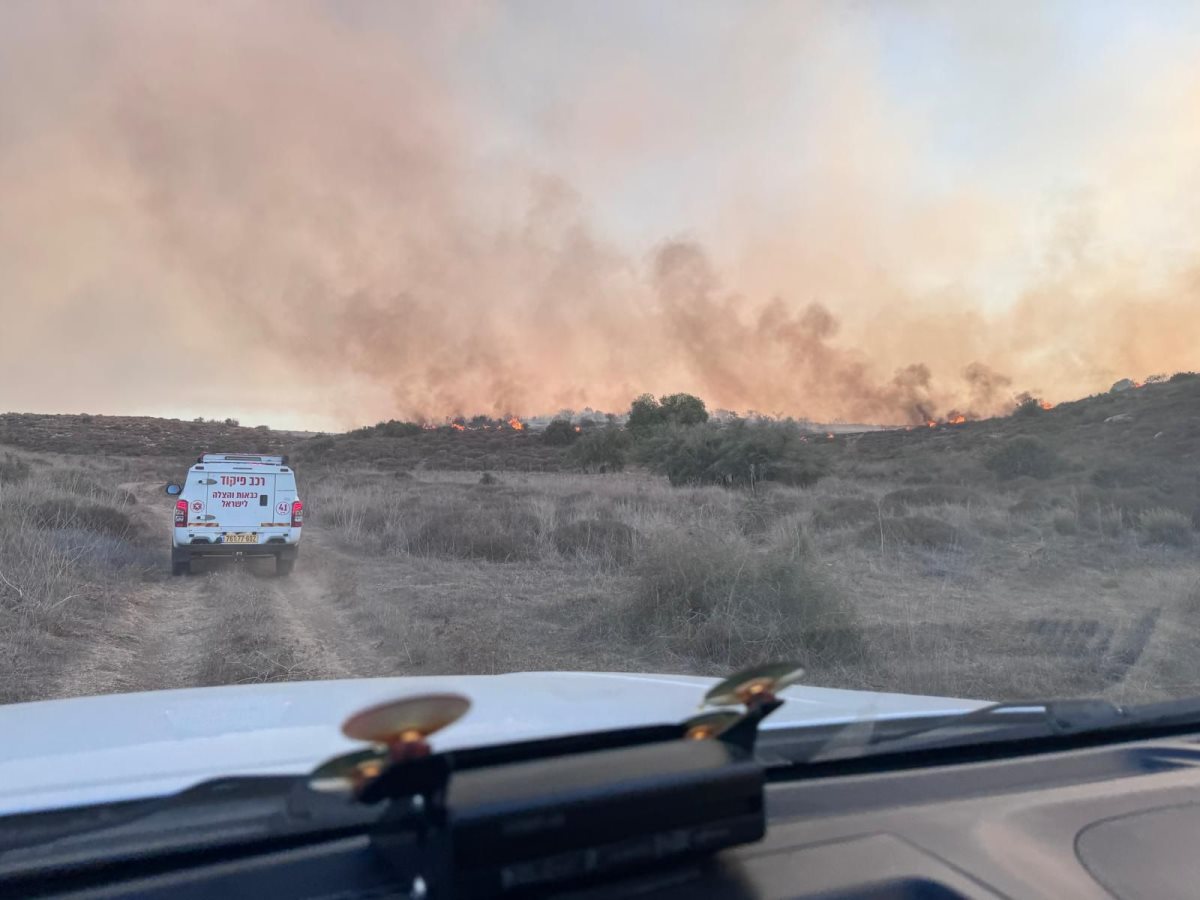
[(560, 433), (601, 450), (683, 409)]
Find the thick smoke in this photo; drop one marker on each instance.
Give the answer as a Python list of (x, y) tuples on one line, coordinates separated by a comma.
[(314, 213)]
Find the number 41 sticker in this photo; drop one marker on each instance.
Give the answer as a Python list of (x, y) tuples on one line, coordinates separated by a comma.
[(282, 507)]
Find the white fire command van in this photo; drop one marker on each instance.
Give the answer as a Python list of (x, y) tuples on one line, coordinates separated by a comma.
[(237, 505)]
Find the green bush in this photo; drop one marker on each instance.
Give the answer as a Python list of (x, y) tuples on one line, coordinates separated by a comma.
[(1023, 455), (1167, 526), (318, 446), (560, 433), (673, 409), (683, 409), (1028, 405), (601, 450), (735, 454), (395, 429), (645, 413)]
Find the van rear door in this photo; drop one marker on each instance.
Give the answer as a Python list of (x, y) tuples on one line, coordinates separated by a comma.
[(285, 493), (241, 498)]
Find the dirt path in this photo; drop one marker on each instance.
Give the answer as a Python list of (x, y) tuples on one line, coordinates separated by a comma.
[(230, 623), (338, 615)]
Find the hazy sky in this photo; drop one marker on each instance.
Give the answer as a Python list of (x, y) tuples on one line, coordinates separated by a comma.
[(320, 214)]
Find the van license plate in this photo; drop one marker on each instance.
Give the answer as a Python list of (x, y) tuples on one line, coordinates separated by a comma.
[(241, 538)]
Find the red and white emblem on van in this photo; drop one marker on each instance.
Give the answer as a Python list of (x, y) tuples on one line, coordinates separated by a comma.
[(197, 506)]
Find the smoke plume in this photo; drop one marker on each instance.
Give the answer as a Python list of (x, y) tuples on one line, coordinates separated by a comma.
[(331, 213)]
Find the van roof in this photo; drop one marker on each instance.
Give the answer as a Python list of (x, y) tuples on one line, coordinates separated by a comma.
[(243, 458)]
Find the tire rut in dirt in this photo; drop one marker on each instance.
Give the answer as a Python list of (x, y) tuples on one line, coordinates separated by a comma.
[(262, 628), (152, 642)]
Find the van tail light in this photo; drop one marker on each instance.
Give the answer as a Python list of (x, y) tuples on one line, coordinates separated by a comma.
[(297, 514), (181, 514)]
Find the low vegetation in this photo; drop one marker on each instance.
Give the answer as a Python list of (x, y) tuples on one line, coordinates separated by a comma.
[(707, 598), (68, 546), (1051, 552), (1026, 456)]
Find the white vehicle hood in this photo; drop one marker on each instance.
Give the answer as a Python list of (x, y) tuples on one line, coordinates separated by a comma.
[(60, 753)]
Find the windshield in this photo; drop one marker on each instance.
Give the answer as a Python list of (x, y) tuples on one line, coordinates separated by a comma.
[(343, 340)]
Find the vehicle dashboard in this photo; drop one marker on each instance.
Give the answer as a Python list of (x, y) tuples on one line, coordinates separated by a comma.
[(1104, 821)]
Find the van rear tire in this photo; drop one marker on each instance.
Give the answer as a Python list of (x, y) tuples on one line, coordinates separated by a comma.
[(283, 566), (181, 568)]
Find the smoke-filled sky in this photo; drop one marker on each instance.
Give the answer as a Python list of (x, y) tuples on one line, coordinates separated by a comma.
[(328, 213)]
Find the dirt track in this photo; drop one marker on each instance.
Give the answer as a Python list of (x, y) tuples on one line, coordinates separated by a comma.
[(229, 623)]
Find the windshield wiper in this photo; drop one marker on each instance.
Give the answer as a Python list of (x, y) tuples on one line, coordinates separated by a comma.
[(1012, 721)]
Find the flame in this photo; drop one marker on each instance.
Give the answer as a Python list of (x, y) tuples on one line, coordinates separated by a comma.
[(931, 423), (829, 435), (1046, 404), (956, 419), (578, 429), (1138, 384), (458, 427), (515, 424)]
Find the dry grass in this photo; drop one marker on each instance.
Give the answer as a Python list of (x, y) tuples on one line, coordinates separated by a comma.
[(909, 570), (64, 556), (968, 596), (713, 599), (1167, 527)]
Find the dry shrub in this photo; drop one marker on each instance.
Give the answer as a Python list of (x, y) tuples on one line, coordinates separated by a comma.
[(497, 532), (365, 517), (927, 495), (1065, 522), (80, 483), (1109, 511), (68, 512), (789, 537), (61, 557), (606, 541), (758, 512), (842, 512), (1120, 475), (915, 531), (1023, 455), (1036, 500), (714, 599), (13, 469), (1166, 526)]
